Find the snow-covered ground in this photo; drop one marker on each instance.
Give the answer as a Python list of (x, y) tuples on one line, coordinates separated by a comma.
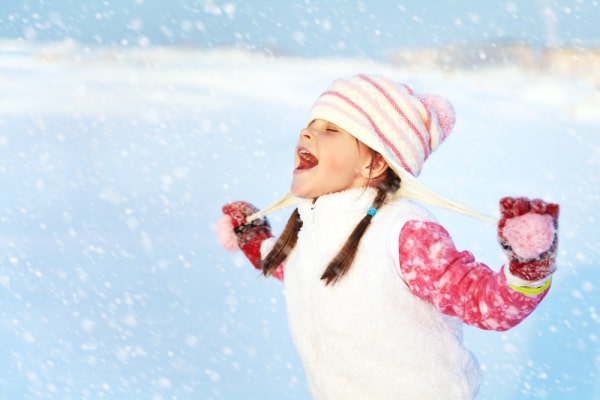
[(114, 165)]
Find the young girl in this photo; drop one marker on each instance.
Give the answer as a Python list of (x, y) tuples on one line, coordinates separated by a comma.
[(375, 288)]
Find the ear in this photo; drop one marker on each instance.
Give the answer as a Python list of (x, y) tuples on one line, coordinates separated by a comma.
[(376, 167)]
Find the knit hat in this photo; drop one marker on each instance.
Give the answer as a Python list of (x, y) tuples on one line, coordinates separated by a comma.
[(405, 128)]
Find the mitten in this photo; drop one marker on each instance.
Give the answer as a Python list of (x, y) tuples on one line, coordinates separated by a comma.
[(528, 233), (233, 232)]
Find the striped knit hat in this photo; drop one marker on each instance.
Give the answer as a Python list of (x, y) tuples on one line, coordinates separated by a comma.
[(390, 118)]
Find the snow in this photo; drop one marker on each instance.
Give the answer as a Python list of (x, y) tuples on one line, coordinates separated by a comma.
[(114, 164)]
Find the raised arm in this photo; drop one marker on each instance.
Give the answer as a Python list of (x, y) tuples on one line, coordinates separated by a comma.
[(458, 285)]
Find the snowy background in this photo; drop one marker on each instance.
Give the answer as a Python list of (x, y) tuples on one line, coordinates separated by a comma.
[(124, 126)]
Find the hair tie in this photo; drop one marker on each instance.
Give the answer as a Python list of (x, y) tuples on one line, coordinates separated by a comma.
[(372, 211)]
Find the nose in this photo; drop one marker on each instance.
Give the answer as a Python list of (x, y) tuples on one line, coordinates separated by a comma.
[(306, 133)]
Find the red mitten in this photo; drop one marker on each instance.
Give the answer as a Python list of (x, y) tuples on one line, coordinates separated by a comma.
[(528, 233), (234, 233)]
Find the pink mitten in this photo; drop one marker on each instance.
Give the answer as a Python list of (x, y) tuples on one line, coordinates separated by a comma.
[(528, 233), (233, 232)]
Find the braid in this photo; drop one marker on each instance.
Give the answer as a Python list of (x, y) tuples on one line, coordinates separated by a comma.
[(342, 262), (340, 265), (286, 242)]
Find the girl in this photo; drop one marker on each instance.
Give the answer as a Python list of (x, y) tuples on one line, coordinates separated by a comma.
[(375, 288)]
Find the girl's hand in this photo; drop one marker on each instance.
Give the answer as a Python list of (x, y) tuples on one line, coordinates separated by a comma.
[(234, 233), (528, 233)]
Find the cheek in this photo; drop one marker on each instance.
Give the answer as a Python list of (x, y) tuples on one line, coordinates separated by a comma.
[(340, 157), (342, 165)]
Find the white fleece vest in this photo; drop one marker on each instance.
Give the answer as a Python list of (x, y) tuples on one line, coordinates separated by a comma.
[(368, 336)]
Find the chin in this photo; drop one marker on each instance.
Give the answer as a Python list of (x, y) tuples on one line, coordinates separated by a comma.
[(298, 192)]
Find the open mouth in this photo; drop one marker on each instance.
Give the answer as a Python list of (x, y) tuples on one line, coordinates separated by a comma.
[(307, 160)]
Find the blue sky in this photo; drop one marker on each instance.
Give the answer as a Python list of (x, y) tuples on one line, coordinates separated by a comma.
[(305, 28)]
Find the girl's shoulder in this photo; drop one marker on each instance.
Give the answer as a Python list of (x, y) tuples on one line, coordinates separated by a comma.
[(401, 208), (394, 215)]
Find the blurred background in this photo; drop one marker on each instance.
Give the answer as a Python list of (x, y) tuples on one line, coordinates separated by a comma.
[(305, 28)]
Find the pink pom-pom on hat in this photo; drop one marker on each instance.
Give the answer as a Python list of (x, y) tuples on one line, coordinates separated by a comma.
[(403, 127), (446, 117)]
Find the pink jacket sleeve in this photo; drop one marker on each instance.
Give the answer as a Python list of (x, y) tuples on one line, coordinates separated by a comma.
[(455, 283)]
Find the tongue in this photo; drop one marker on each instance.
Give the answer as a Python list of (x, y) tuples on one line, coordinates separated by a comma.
[(307, 161), (305, 164)]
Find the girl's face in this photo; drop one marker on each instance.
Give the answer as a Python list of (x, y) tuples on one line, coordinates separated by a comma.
[(328, 160)]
